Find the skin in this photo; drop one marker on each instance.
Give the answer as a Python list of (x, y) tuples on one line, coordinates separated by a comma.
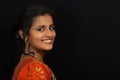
[(41, 35)]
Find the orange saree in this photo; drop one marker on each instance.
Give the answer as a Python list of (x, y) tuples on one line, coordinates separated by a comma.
[(32, 69)]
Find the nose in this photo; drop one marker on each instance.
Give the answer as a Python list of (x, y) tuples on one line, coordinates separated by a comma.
[(48, 33)]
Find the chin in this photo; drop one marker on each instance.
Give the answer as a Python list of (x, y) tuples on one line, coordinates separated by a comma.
[(48, 48)]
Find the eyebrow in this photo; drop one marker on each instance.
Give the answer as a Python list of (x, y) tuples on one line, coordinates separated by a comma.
[(43, 26), (52, 25)]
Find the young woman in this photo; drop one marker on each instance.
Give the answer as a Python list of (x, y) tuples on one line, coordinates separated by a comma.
[(36, 35)]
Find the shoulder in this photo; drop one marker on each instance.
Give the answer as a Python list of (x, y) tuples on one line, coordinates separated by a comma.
[(33, 71), (33, 67)]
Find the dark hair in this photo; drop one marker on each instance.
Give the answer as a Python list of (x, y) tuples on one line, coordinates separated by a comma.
[(26, 18)]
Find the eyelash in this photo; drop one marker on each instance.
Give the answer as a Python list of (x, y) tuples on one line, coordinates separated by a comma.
[(52, 28), (41, 29)]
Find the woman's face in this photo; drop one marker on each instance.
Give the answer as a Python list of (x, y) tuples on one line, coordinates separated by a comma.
[(42, 34)]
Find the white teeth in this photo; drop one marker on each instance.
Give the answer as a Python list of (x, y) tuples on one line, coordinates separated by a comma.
[(47, 41)]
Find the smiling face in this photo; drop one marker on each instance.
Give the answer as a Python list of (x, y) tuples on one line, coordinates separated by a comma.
[(41, 34)]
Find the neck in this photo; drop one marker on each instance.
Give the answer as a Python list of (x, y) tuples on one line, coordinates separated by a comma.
[(34, 55), (39, 54)]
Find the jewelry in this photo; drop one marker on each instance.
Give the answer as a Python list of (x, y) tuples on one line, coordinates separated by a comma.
[(33, 55)]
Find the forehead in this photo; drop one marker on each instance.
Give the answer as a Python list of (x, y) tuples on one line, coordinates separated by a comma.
[(43, 19)]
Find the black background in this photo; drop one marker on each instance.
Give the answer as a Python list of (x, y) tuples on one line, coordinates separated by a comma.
[(87, 42)]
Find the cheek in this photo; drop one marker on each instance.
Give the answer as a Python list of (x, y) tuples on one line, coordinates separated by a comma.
[(34, 38), (54, 34)]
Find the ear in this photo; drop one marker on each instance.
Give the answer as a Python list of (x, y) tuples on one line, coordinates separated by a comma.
[(20, 32)]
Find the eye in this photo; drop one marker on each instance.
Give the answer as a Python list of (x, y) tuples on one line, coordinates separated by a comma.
[(52, 28), (41, 29)]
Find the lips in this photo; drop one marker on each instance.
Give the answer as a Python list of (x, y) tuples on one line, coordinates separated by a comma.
[(48, 41)]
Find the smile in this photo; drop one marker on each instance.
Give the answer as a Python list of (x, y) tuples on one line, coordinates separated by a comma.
[(48, 41)]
